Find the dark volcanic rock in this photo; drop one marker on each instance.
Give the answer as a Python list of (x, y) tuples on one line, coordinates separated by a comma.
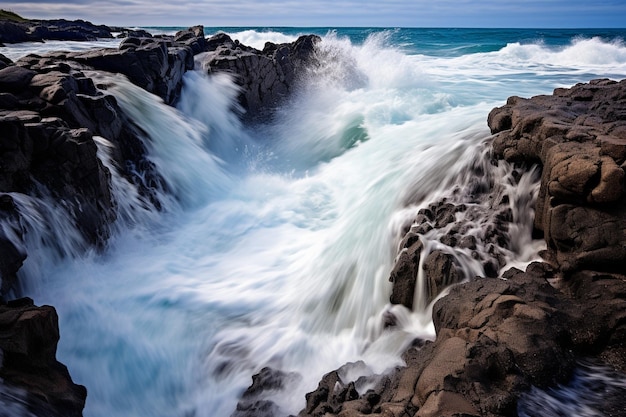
[(48, 140), (267, 77), (28, 342), (50, 115), (60, 29), (151, 63), (255, 401)]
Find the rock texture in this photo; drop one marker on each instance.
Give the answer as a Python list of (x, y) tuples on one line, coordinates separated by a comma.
[(14, 31), (578, 135), (28, 341), (51, 112), (497, 338), (267, 77), (255, 400), (49, 115), (471, 230)]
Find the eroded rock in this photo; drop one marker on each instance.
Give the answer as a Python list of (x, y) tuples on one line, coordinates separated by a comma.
[(578, 135), (266, 77), (28, 342)]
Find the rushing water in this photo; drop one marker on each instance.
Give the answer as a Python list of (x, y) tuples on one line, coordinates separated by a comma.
[(276, 243)]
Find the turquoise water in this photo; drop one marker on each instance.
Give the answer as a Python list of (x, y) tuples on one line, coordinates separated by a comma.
[(277, 248), (437, 41)]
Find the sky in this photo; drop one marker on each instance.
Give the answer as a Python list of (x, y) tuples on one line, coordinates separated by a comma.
[(334, 13)]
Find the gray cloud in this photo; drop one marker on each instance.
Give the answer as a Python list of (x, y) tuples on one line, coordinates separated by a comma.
[(485, 13)]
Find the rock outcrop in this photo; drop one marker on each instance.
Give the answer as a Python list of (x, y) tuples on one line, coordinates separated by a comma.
[(51, 115), (578, 135), (266, 77), (14, 31), (28, 342), (497, 338)]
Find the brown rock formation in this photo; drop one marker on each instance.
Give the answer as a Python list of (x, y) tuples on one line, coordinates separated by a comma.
[(579, 137), (497, 338)]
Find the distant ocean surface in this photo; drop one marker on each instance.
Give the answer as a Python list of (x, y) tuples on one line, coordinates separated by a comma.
[(278, 248)]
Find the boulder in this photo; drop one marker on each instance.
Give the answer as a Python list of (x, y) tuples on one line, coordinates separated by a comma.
[(28, 343), (266, 77), (578, 136)]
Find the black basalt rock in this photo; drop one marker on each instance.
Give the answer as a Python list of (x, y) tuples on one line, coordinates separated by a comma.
[(266, 77)]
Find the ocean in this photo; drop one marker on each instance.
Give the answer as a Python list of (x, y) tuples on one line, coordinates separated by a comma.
[(276, 241)]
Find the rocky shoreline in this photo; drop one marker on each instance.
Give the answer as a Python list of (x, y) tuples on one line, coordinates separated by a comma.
[(51, 114), (496, 338)]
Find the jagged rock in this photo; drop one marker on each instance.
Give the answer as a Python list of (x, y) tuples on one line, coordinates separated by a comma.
[(38, 147), (28, 342), (451, 235), (59, 29), (578, 135), (254, 401), (49, 114), (266, 77), (336, 394), (147, 62), (193, 38), (496, 338)]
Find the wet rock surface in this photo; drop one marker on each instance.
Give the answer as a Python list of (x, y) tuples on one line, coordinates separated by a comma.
[(256, 400), (54, 115), (28, 341), (579, 137), (266, 77), (14, 31), (498, 338)]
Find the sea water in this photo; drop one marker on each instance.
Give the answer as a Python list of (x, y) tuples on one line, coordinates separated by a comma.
[(276, 240)]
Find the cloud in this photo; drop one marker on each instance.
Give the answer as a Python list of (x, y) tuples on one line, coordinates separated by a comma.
[(393, 13)]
